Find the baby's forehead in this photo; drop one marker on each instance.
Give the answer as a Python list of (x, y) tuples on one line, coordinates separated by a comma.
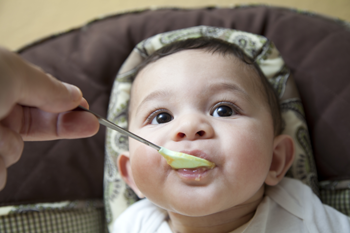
[(249, 71), (190, 56)]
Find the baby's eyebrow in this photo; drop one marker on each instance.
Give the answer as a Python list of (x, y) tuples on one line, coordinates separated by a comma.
[(223, 86), (152, 96)]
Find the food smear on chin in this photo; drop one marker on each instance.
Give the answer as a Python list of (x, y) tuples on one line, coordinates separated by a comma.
[(178, 160)]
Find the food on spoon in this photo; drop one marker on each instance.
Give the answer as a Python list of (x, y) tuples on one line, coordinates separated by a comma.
[(178, 160)]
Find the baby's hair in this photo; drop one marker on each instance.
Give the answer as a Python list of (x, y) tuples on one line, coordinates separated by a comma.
[(218, 46)]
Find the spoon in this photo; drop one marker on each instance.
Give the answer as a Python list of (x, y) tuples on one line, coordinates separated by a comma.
[(176, 160)]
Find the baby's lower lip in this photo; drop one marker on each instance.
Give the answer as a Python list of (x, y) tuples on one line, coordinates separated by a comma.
[(193, 174)]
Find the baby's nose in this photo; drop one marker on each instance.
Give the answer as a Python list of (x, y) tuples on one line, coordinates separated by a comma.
[(192, 127)]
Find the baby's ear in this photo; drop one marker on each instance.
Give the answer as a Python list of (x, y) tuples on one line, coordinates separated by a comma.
[(283, 155), (126, 173)]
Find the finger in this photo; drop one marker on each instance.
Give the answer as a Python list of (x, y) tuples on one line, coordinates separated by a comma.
[(3, 173), (34, 124), (11, 146), (20, 118), (67, 125), (16, 118), (22, 83), (77, 125)]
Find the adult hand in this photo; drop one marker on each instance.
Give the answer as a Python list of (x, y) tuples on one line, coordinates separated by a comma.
[(33, 107)]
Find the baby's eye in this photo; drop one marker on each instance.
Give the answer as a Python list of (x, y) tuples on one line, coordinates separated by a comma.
[(161, 118), (223, 111)]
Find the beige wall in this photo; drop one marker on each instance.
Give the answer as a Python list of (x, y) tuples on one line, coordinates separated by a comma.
[(24, 21)]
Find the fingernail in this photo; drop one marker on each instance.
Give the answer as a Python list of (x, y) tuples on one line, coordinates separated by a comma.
[(75, 92)]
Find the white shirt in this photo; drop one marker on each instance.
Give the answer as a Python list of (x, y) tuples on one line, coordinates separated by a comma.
[(287, 207)]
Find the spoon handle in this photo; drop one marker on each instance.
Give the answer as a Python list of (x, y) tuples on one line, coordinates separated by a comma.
[(111, 125)]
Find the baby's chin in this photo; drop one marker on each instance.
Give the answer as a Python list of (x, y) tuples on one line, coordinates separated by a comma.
[(191, 210), (206, 202), (190, 207)]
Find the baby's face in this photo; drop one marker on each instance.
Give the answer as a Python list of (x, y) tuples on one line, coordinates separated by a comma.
[(209, 106)]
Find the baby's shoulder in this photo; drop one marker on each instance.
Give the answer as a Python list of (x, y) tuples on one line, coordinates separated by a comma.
[(298, 201)]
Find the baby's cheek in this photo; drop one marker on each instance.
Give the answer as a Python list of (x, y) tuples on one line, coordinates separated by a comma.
[(249, 157), (146, 169)]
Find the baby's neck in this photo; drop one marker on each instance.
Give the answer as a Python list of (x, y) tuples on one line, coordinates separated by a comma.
[(222, 222)]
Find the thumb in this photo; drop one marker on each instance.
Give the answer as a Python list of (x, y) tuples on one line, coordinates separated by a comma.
[(42, 90), (23, 83)]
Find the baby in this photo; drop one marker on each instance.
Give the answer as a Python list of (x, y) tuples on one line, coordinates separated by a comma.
[(206, 98)]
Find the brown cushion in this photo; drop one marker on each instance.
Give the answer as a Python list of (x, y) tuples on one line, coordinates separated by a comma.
[(316, 49)]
